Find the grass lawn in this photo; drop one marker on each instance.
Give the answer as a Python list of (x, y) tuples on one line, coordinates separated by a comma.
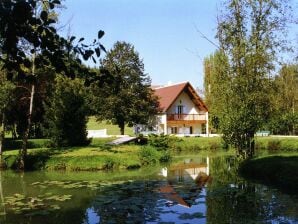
[(111, 129), (278, 170), (96, 156)]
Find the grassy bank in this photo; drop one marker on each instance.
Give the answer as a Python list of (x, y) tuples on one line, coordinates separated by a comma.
[(96, 156), (277, 144), (195, 144), (99, 156), (279, 171)]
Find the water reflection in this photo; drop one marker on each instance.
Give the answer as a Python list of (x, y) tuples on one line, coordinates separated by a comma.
[(194, 190), (192, 174)]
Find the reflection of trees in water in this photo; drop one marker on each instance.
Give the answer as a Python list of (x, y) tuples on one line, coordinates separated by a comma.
[(73, 211), (230, 199), (130, 202)]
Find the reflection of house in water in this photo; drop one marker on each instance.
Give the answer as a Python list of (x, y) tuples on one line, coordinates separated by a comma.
[(185, 180)]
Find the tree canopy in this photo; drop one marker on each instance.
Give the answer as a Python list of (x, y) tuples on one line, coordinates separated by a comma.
[(127, 98), (250, 33), (29, 41)]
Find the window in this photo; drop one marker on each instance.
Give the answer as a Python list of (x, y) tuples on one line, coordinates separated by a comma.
[(180, 111), (174, 130)]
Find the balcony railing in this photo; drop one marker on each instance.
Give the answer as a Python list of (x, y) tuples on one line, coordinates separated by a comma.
[(186, 117)]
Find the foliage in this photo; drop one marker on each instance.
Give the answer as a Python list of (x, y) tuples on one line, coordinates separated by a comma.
[(249, 33), (148, 155), (215, 71), (32, 143), (126, 98), (284, 100), (6, 89), (32, 24), (67, 113), (29, 41), (160, 142)]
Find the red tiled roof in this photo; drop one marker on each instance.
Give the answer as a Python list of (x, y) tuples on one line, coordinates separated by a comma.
[(167, 95)]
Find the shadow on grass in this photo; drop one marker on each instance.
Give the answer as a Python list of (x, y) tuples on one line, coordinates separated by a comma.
[(277, 171)]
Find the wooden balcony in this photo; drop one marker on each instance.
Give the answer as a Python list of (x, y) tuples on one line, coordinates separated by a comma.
[(186, 118)]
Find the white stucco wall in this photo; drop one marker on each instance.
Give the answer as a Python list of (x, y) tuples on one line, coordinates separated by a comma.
[(188, 106)]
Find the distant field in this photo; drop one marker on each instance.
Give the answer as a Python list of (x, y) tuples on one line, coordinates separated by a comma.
[(111, 129)]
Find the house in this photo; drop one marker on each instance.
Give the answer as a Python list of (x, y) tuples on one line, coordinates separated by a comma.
[(185, 179), (182, 111)]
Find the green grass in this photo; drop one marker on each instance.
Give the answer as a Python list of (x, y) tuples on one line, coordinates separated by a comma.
[(96, 156), (99, 156), (111, 129), (279, 171), (273, 144), (194, 144)]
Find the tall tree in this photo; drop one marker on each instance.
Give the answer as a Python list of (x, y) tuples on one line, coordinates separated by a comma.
[(128, 98), (66, 113), (215, 77), (249, 33), (27, 30)]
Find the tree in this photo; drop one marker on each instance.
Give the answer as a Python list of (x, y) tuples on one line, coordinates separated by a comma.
[(6, 89), (127, 98), (27, 31), (215, 76), (249, 33), (284, 119), (66, 113)]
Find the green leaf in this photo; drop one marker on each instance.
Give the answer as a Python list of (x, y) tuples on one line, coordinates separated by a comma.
[(72, 38), (44, 15), (97, 51), (102, 48), (100, 34)]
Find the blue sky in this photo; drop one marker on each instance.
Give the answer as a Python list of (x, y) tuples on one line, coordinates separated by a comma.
[(162, 31)]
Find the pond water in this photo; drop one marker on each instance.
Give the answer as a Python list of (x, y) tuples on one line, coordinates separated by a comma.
[(192, 189)]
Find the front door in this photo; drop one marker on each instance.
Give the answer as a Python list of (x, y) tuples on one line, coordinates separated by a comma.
[(190, 130)]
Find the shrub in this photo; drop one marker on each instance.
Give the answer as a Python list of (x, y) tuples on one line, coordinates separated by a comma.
[(148, 155), (161, 142), (165, 157)]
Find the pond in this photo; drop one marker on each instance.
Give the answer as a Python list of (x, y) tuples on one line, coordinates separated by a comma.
[(192, 189)]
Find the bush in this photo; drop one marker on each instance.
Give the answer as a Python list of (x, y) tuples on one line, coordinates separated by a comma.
[(161, 142), (165, 157), (148, 155)]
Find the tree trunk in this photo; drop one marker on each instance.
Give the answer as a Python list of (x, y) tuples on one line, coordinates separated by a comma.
[(23, 150), (122, 125)]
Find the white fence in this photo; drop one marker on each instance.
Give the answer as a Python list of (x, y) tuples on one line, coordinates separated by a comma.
[(97, 133)]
